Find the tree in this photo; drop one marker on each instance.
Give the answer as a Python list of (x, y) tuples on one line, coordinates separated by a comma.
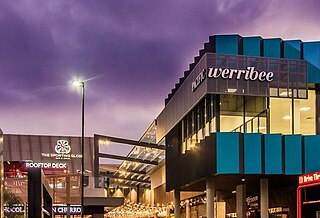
[(11, 199)]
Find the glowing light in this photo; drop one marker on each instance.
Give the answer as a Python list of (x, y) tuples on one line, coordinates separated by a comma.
[(286, 117), (305, 108), (77, 83)]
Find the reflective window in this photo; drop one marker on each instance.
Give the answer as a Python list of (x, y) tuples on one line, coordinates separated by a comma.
[(231, 113), (280, 115), (198, 124), (304, 115)]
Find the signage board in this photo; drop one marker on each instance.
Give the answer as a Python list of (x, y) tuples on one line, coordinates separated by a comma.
[(46, 165), (309, 178), (245, 75), (57, 210), (62, 151)]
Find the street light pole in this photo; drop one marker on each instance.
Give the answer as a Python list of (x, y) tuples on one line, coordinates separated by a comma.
[(81, 85)]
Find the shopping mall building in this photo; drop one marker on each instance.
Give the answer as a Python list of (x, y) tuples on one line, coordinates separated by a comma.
[(237, 130)]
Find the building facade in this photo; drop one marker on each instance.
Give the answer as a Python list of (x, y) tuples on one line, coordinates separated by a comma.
[(243, 123)]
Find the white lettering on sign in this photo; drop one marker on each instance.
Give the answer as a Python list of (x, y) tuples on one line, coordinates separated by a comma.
[(309, 178), (198, 80), (14, 209), (46, 165), (275, 210), (62, 149), (61, 210), (248, 74)]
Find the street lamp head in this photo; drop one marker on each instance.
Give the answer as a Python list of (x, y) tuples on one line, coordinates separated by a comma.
[(78, 83)]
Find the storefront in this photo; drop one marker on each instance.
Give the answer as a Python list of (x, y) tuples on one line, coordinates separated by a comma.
[(308, 195), (60, 159)]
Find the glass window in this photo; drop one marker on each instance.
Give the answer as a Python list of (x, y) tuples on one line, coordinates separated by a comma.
[(304, 114), (231, 113), (255, 114), (280, 115)]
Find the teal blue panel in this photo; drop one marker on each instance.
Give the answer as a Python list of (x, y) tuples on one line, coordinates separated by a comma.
[(227, 44), (272, 48), (227, 152), (273, 153), (312, 153), (292, 49), (252, 46), (311, 53), (252, 153), (293, 154)]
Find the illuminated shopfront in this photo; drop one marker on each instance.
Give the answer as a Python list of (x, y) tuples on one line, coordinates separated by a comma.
[(58, 157)]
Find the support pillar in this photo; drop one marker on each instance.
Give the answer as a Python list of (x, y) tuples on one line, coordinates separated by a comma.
[(68, 211), (176, 203), (188, 214), (264, 197), (241, 201), (210, 197)]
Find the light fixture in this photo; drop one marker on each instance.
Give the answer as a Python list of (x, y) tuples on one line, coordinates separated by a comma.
[(305, 108), (287, 117), (77, 83), (233, 192), (243, 180), (232, 90), (285, 94)]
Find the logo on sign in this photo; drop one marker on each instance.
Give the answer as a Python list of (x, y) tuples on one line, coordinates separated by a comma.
[(62, 151), (62, 147)]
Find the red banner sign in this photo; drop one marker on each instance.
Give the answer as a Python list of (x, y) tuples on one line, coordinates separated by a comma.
[(309, 178)]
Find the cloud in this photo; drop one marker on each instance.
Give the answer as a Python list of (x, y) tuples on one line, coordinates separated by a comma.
[(134, 50)]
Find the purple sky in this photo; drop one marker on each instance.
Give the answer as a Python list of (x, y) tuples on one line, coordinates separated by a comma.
[(131, 51)]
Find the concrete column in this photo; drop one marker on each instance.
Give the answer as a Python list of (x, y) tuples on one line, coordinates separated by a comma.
[(264, 197), (241, 200), (188, 214), (210, 197), (176, 203)]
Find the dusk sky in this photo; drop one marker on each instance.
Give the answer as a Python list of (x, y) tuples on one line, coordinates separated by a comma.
[(130, 52)]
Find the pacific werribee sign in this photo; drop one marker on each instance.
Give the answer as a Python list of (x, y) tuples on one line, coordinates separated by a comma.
[(62, 151), (226, 73), (246, 75)]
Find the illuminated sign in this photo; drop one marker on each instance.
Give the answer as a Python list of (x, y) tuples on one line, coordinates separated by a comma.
[(226, 73), (14, 209), (57, 210), (46, 165), (62, 147), (309, 178), (62, 151), (62, 210)]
